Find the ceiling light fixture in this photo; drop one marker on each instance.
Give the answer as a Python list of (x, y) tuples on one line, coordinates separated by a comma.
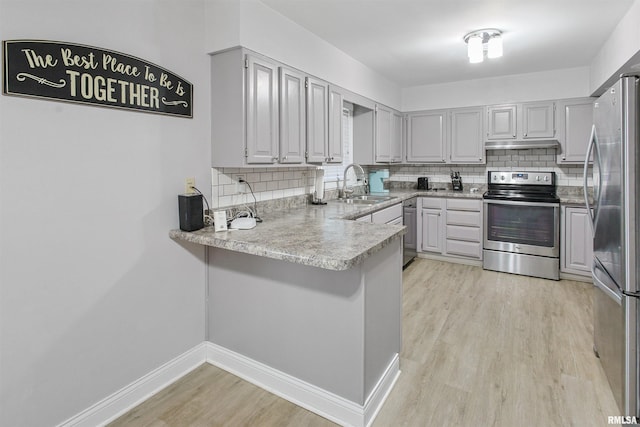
[(481, 40)]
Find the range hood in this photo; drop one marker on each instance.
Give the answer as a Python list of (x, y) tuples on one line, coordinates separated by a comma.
[(521, 145)]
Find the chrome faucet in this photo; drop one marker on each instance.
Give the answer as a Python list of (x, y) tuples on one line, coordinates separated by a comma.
[(346, 190)]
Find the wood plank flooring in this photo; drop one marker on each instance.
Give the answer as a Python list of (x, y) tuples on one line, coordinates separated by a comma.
[(480, 348)]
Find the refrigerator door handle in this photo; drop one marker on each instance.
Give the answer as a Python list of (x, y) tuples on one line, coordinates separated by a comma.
[(593, 142)]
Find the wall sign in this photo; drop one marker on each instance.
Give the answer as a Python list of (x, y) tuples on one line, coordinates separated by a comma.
[(85, 74)]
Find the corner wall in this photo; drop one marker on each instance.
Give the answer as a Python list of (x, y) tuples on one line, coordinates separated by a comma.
[(619, 54), (93, 292), (540, 86), (252, 24)]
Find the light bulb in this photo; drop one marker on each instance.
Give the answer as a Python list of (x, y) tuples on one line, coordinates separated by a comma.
[(494, 47)]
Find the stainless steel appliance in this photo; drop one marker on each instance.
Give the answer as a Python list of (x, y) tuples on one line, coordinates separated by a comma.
[(614, 143), (410, 217), (522, 224)]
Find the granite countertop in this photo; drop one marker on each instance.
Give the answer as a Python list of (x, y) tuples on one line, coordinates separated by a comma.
[(318, 236), (323, 236)]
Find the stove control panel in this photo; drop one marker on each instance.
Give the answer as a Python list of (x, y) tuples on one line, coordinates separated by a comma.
[(522, 178)]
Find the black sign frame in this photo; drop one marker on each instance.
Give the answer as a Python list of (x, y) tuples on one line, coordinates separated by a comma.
[(91, 75)]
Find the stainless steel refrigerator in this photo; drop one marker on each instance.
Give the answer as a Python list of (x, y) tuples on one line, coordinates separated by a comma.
[(615, 210)]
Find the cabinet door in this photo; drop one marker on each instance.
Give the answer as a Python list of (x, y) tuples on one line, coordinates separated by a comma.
[(262, 111), (575, 118), (335, 126), (578, 242), (426, 137), (292, 116), (467, 143), (538, 120), (409, 217), (383, 134), (431, 237), (317, 120), (397, 136), (501, 122)]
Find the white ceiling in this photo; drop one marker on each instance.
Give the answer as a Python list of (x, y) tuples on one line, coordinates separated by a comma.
[(418, 42)]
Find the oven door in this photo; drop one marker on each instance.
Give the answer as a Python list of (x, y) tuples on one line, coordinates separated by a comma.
[(530, 228)]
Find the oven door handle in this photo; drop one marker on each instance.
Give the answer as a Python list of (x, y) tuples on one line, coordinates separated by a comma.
[(516, 203)]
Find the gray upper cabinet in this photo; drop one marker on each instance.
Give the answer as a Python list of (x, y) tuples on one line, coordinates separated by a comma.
[(530, 120), (336, 99), (574, 118), (262, 111), (324, 122), (538, 120), (397, 136), (317, 120), (501, 122), (292, 116), (383, 134), (257, 111), (389, 135), (446, 136), (467, 143), (427, 136)]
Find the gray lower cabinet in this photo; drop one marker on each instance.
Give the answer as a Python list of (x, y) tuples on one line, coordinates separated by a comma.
[(450, 227), (576, 241), (575, 118), (430, 225), (464, 228)]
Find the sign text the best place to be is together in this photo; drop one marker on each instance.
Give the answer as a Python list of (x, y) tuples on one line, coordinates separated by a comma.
[(85, 74)]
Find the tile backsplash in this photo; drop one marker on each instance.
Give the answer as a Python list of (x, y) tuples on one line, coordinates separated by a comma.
[(541, 159), (278, 183)]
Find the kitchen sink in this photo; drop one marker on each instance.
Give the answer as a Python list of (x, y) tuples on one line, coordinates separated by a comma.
[(366, 199)]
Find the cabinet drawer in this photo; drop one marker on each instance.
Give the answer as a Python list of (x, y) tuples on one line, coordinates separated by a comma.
[(469, 234), (464, 204), (388, 214), (463, 218), (466, 249), (432, 202)]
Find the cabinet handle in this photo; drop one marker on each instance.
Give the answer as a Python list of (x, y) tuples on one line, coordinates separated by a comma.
[(525, 135), (274, 159), (330, 158), (284, 158)]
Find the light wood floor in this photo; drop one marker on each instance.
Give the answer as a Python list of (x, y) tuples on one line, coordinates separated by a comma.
[(480, 348)]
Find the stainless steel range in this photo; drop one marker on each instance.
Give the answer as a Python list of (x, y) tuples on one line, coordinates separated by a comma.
[(522, 224)]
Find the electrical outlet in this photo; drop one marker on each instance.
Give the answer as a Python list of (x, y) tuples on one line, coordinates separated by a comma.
[(189, 183), (240, 187)]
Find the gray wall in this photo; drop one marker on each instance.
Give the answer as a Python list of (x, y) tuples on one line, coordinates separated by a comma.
[(93, 293)]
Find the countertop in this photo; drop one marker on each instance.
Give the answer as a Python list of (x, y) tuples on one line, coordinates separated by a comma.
[(323, 235), (314, 235)]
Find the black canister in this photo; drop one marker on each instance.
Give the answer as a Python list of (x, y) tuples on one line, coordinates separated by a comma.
[(423, 183)]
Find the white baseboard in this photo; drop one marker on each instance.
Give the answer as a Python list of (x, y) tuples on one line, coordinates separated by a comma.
[(301, 393), (138, 391)]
